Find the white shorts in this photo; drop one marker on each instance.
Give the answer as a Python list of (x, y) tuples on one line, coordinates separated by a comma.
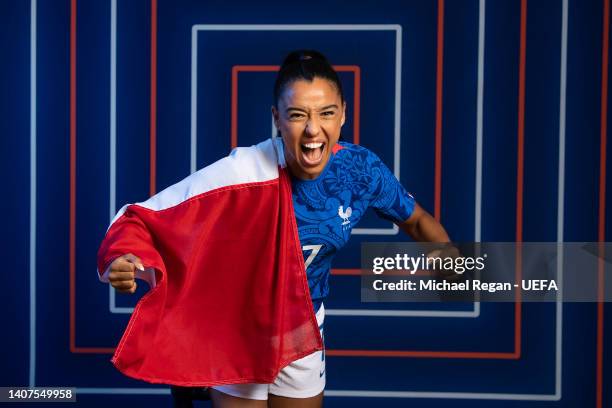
[(303, 378)]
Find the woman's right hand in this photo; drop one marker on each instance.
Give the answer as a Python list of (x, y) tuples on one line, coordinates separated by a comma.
[(122, 273)]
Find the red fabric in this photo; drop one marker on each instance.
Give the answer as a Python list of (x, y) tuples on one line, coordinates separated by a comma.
[(231, 304)]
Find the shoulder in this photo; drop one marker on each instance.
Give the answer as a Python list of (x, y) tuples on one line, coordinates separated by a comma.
[(345, 148), (243, 166), (356, 164), (350, 154)]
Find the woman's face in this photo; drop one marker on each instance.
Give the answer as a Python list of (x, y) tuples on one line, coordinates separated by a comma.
[(309, 118)]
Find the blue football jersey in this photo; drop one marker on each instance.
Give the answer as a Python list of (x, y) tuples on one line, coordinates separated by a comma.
[(330, 206)]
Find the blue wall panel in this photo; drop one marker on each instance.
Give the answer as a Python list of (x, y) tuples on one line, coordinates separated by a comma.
[(98, 319)]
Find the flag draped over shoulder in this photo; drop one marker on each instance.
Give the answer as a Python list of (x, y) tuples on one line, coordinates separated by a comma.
[(230, 301)]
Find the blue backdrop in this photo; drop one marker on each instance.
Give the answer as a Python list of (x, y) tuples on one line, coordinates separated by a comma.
[(491, 113)]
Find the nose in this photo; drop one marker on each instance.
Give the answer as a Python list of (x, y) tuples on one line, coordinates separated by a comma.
[(313, 127)]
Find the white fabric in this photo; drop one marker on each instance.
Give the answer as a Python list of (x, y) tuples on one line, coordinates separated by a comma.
[(303, 378), (264, 157)]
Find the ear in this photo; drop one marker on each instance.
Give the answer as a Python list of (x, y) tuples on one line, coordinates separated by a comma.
[(275, 116), (343, 114)]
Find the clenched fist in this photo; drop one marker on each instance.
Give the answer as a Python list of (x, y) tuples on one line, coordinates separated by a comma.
[(122, 273)]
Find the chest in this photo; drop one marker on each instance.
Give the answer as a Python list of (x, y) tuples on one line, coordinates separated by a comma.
[(326, 210)]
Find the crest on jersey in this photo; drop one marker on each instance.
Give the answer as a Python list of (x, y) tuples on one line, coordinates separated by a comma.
[(345, 215)]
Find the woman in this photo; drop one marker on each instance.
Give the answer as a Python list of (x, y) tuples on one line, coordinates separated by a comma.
[(333, 184)]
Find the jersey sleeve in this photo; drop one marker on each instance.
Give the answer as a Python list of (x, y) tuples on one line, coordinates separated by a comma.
[(129, 233), (392, 201)]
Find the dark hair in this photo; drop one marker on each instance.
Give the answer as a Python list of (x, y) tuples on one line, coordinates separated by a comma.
[(305, 64)]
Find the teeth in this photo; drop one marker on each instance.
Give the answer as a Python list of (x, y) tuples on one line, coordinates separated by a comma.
[(312, 145)]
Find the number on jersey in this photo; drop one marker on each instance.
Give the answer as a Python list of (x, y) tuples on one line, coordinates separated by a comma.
[(315, 250)]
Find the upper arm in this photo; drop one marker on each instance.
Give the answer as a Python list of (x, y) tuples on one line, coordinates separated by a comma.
[(421, 226), (410, 224), (392, 201)]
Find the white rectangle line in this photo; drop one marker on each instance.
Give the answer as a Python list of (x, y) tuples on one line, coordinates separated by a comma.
[(113, 132), (194, 100), (559, 307), (297, 27), (561, 198), (113, 112), (131, 391), (442, 395), (33, 188), (394, 230), (397, 136), (479, 117), (401, 313)]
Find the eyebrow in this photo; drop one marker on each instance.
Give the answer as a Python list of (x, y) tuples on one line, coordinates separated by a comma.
[(304, 110)]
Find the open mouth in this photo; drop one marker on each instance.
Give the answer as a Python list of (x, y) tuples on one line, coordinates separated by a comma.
[(312, 153)]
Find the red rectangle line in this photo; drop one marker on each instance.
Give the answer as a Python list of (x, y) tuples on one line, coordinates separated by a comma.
[(236, 69), (261, 68), (601, 233), (153, 102)]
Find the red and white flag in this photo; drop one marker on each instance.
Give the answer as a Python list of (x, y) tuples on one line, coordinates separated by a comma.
[(230, 301)]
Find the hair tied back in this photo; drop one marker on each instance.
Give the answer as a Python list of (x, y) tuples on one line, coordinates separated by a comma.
[(306, 65)]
